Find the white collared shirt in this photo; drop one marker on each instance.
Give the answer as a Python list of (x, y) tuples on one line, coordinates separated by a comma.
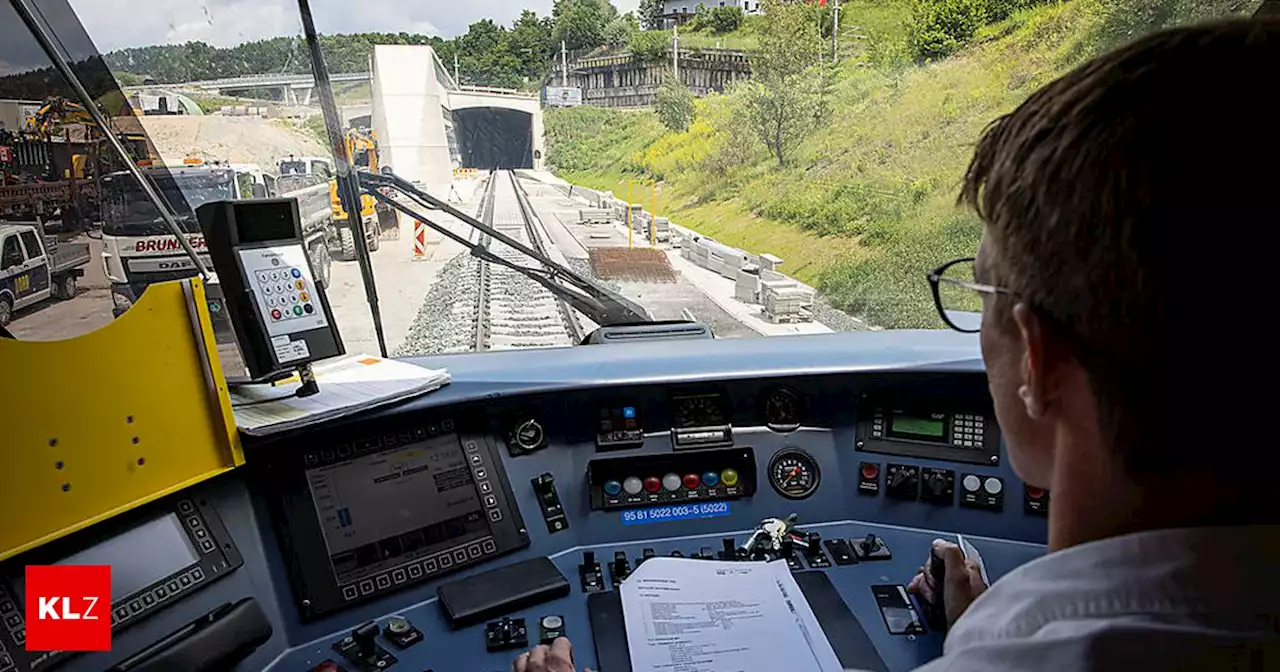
[(1185, 599)]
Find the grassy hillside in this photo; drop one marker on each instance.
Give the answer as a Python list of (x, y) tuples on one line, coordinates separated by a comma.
[(867, 205)]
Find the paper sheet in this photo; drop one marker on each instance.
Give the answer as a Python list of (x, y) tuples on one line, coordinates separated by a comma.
[(686, 615), (347, 385)]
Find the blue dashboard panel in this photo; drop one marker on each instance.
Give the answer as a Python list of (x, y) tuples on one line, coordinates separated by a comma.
[(834, 377)]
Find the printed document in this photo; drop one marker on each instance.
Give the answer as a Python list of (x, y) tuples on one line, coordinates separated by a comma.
[(687, 615)]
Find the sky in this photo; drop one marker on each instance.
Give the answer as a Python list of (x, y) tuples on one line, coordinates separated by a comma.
[(115, 24)]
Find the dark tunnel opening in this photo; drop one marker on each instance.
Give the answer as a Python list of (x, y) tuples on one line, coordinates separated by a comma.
[(493, 138)]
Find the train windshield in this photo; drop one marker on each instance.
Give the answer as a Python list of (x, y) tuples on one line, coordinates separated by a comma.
[(126, 209), (764, 168)]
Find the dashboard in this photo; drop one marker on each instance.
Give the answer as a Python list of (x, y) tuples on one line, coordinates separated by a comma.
[(381, 541)]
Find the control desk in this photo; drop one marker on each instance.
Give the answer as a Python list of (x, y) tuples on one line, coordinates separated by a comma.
[(597, 459)]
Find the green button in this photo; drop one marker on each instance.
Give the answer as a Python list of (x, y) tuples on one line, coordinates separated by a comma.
[(297, 310), (729, 477)]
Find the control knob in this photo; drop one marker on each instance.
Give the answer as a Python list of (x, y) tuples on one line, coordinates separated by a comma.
[(528, 435)]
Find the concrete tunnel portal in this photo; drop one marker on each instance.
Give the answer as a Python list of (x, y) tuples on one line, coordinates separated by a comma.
[(492, 138)]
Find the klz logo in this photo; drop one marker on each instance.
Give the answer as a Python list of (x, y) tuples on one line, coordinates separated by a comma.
[(68, 608)]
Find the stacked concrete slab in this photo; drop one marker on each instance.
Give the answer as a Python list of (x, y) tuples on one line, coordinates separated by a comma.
[(784, 299)]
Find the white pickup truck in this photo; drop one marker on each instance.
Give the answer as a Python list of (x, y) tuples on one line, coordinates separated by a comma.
[(35, 267)]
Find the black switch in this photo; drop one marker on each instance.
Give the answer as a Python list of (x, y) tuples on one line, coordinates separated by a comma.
[(364, 638), (872, 547), (549, 502), (621, 567), (706, 553), (841, 552), (589, 574), (730, 549), (361, 649), (677, 553), (644, 555), (817, 559), (507, 633)]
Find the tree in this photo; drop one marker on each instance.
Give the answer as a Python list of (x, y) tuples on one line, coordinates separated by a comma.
[(723, 20), (581, 24), (620, 30), (784, 96), (651, 14), (674, 105), (530, 42)]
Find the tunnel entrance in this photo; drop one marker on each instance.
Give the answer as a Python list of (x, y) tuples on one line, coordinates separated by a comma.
[(491, 138)]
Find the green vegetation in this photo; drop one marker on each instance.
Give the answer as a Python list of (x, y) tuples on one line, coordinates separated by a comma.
[(674, 105), (867, 202)]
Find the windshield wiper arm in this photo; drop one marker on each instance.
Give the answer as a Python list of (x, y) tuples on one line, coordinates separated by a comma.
[(600, 305)]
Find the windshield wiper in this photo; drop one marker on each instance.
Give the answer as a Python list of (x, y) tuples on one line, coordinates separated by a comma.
[(600, 305)]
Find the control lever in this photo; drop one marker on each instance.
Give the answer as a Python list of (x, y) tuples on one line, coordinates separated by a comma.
[(589, 574), (813, 553), (730, 549), (549, 502), (935, 611), (872, 547), (361, 649), (621, 567)]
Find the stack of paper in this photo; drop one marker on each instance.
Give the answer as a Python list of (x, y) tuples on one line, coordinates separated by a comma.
[(347, 385), (685, 615)]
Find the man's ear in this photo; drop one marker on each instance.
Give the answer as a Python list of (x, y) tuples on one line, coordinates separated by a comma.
[(1034, 389)]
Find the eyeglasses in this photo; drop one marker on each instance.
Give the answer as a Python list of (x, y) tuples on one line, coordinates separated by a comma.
[(958, 296)]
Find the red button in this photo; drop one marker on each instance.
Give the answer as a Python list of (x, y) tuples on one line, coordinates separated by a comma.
[(652, 484), (275, 314), (1034, 493), (692, 481), (870, 471)]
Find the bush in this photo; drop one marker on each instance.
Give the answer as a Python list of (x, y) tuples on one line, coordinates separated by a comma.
[(649, 46), (939, 27), (674, 105), (725, 19)]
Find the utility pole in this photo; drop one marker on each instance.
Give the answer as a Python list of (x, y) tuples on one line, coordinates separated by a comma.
[(835, 33), (675, 49), (564, 64), (457, 79)]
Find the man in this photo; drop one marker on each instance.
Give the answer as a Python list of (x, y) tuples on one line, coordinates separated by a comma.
[(1127, 209)]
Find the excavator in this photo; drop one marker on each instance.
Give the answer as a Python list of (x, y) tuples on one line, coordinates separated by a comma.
[(362, 146)]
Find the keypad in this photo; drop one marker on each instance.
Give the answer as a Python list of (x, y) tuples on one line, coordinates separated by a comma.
[(967, 430), (286, 292)]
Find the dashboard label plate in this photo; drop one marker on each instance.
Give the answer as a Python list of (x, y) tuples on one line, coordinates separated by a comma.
[(667, 514)]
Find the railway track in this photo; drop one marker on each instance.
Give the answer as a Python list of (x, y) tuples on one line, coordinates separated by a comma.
[(512, 311)]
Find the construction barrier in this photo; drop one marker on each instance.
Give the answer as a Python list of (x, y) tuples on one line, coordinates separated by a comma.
[(419, 240), (465, 173)]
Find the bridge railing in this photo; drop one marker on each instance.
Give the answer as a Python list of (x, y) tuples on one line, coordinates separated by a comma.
[(496, 90)]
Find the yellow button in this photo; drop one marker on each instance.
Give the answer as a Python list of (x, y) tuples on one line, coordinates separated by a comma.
[(300, 284), (303, 296), (729, 477)]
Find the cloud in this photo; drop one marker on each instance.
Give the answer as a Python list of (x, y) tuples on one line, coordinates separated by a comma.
[(115, 24)]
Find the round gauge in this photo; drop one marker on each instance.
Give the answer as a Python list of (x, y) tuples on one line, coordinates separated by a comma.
[(782, 410), (794, 473), (704, 410)]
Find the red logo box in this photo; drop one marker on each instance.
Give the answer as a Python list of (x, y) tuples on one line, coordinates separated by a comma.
[(68, 608)]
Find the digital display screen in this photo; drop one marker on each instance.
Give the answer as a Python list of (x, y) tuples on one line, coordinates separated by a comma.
[(265, 222), (138, 557), (933, 428), (390, 508)]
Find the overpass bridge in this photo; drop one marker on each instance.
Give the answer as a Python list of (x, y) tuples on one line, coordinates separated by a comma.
[(295, 89)]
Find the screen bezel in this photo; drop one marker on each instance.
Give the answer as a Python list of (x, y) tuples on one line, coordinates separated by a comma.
[(453, 438), (912, 445), (219, 560), (315, 588)]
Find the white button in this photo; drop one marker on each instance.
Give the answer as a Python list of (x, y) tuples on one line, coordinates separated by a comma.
[(266, 289), (293, 298), (671, 482), (632, 485), (993, 485), (971, 483)]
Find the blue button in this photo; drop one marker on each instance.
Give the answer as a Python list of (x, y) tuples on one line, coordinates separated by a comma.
[(711, 479), (612, 488), (297, 273), (629, 411)]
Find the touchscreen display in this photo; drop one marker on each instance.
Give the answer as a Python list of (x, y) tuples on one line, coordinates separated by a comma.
[(385, 509), (138, 557)]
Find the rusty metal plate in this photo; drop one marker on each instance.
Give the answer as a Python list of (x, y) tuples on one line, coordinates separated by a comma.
[(640, 264)]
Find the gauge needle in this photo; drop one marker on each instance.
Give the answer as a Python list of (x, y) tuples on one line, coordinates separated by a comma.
[(794, 472)]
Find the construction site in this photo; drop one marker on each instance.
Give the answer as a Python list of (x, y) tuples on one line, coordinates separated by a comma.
[(481, 149)]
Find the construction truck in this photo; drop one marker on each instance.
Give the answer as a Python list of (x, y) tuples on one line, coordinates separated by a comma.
[(138, 248)]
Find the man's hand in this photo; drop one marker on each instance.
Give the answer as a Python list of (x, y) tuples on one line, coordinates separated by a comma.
[(555, 658), (963, 579)]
